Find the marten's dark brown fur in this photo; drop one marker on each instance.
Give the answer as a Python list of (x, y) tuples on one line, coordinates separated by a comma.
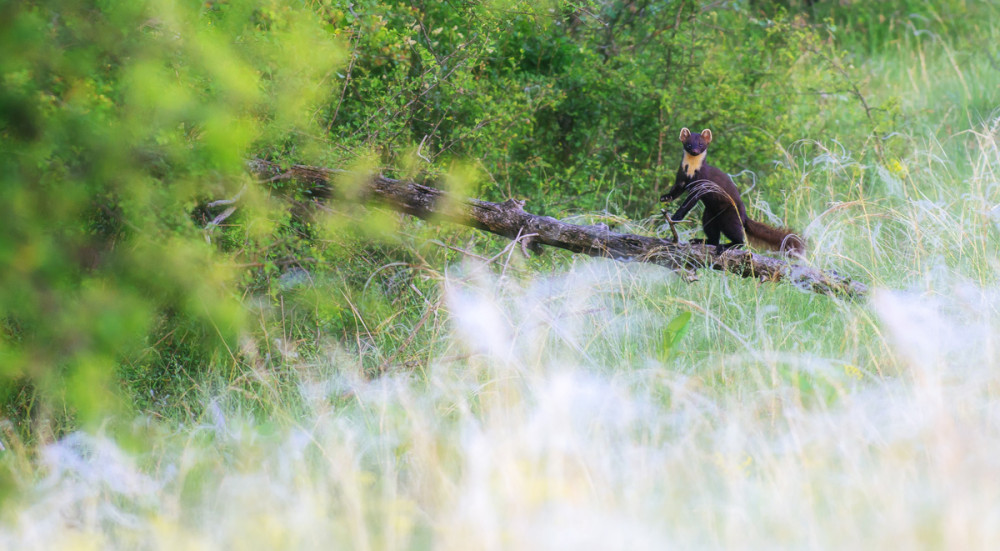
[(724, 210)]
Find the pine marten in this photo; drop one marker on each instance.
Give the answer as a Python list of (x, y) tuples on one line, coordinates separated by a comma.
[(724, 210)]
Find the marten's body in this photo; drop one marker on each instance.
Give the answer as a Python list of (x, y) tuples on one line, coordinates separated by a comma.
[(725, 213)]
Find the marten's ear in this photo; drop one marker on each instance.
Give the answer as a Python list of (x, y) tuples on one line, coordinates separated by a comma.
[(685, 134), (706, 134)]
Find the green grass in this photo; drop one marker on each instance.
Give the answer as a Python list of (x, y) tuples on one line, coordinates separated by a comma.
[(551, 402)]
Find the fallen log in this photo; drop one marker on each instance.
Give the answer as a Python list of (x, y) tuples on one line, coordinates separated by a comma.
[(509, 219)]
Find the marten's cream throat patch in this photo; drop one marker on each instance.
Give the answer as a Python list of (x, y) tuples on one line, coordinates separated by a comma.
[(692, 163)]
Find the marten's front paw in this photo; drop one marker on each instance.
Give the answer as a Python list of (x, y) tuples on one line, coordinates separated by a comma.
[(666, 198)]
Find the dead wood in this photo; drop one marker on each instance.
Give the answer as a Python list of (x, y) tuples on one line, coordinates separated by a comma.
[(509, 219)]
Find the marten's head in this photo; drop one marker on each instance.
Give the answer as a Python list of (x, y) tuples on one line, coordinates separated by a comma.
[(695, 144)]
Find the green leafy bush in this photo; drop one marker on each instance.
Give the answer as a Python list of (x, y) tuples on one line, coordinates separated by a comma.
[(579, 104)]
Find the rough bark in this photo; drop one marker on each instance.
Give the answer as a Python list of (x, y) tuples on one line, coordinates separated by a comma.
[(510, 220)]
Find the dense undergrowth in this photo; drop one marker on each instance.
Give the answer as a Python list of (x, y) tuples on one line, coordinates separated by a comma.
[(309, 375)]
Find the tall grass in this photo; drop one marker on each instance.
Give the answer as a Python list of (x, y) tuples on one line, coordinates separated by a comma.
[(553, 415)]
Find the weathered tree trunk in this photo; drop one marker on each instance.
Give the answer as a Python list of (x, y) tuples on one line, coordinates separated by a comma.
[(510, 220)]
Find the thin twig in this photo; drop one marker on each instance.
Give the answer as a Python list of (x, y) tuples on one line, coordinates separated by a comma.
[(222, 202), (421, 146), (216, 221), (347, 82)]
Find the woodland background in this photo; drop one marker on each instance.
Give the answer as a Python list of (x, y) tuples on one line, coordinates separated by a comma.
[(131, 325)]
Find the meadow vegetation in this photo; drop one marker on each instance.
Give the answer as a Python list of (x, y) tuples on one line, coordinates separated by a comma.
[(309, 374)]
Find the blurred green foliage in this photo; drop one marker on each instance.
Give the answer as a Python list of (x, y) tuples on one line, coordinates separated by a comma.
[(121, 121), (117, 119)]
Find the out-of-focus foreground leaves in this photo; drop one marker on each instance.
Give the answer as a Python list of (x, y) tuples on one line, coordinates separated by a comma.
[(117, 119)]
